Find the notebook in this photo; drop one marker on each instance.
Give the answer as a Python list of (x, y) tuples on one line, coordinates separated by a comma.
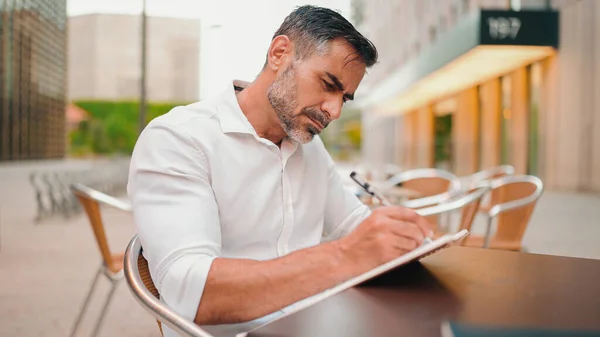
[(415, 255)]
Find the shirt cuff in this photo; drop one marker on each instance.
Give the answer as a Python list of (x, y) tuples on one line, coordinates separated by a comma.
[(350, 223), (183, 284)]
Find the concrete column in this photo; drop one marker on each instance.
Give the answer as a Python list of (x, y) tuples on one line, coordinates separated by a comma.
[(519, 121), (409, 140), (490, 124), (465, 127)]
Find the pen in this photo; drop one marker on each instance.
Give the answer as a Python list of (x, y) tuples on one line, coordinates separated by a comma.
[(369, 188)]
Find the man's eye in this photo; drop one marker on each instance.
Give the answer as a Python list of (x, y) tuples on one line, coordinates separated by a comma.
[(329, 86)]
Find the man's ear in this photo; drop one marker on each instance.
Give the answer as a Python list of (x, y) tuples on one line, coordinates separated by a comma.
[(280, 52)]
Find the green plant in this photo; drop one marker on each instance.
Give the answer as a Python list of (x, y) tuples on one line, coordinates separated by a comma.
[(112, 126)]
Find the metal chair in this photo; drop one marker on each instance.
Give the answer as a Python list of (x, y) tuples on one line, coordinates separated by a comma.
[(514, 202), (468, 203), (487, 174), (434, 186), (141, 286), (112, 264)]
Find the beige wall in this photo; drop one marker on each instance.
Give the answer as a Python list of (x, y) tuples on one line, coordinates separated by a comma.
[(571, 126), (569, 112), (104, 58), (401, 29)]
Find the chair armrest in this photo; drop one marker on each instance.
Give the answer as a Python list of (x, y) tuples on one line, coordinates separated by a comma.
[(146, 299), (102, 197), (507, 206), (427, 201), (513, 204), (454, 204)]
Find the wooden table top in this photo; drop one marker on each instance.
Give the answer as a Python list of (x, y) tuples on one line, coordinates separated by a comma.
[(467, 285)]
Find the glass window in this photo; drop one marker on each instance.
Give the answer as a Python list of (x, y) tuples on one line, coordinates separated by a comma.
[(515, 5), (465, 6), (443, 154)]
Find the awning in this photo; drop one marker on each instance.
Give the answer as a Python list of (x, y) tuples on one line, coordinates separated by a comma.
[(488, 44)]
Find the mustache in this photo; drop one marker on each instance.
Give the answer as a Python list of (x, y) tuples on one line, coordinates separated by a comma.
[(317, 115)]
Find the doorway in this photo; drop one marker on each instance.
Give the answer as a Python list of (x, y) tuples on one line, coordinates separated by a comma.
[(443, 149)]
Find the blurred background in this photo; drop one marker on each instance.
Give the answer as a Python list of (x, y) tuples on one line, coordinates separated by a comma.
[(462, 86)]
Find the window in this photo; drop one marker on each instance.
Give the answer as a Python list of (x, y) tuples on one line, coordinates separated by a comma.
[(453, 14), (466, 6), (515, 5), (432, 33)]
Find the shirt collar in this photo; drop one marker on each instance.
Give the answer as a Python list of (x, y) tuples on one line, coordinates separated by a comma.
[(231, 117)]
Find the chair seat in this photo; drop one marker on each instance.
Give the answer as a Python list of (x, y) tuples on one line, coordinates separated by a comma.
[(478, 241)]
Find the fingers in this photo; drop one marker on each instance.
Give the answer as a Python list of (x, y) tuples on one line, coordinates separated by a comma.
[(409, 215), (405, 245), (407, 230)]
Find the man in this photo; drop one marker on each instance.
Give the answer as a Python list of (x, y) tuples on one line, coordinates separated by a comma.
[(238, 205)]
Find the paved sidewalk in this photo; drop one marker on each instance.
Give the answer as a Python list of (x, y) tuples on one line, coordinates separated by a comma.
[(47, 268)]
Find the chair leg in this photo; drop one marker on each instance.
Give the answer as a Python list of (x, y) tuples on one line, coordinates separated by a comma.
[(488, 233), (86, 302), (103, 313)]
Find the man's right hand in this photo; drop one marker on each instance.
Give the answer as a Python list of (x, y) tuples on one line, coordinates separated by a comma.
[(386, 234)]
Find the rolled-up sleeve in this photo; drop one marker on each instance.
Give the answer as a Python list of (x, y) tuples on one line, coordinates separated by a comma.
[(344, 211), (175, 214)]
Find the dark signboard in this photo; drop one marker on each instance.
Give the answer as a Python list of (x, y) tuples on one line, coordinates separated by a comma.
[(524, 28)]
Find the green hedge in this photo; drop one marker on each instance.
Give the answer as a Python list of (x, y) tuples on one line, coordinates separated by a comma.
[(112, 127)]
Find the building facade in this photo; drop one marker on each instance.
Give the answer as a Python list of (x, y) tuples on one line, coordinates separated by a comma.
[(105, 58), (33, 74), (470, 84)]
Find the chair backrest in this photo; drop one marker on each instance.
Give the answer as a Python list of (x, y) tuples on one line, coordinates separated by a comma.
[(487, 175), (516, 198), (144, 295), (491, 173), (148, 283), (468, 203), (91, 199), (473, 199), (435, 185)]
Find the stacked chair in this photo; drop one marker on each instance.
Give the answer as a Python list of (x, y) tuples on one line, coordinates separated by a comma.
[(506, 201)]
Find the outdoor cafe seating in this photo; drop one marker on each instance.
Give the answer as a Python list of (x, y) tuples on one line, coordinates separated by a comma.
[(143, 290), (432, 192), (111, 266), (506, 207)]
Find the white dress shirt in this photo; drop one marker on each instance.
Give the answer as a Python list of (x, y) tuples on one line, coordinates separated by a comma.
[(204, 185)]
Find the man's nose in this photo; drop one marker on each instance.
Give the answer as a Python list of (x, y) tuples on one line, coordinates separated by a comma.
[(333, 107)]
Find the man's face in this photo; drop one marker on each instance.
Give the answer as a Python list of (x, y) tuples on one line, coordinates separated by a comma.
[(309, 94)]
